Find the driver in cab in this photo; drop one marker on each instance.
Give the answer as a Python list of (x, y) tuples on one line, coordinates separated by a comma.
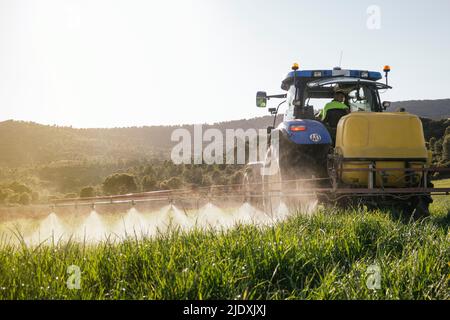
[(334, 110)]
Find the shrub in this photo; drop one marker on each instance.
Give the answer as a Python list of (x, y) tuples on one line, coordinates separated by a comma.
[(14, 198), (446, 148), (119, 183), (19, 188), (87, 192), (5, 194), (149, 183), (172, 183), (24, 199), (35, 196)]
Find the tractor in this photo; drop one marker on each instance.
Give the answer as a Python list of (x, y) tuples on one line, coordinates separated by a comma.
[(361, 155)]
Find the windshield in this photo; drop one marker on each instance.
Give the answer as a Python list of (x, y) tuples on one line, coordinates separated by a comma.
[(310, 98), (360, 100), (359, 97)]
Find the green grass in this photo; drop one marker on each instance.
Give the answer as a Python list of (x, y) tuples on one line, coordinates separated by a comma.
[(325, 256), (442, 183)]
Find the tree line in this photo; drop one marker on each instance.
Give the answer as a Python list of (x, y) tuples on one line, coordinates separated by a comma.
[(138, 178)]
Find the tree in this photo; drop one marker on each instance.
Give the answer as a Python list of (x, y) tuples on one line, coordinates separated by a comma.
[(447, 131), (5, 194), (172, 183), (438, 149), (119, 183), (446, 148), (218, 177), (432, 142), (149, 183), (197, 176), (149, 170), (206, 181), (237, 178), (25, 199), (35, 196), (19, 188), (87, 192), (14, 198)]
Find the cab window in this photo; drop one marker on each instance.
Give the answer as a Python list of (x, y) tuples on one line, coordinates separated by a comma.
[(361, 100), (289, 114)]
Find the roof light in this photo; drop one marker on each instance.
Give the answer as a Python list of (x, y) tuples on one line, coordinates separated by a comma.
[(364, 74), (297, 128), (341, 73), (317, 74), (295, 66), (387, 69)]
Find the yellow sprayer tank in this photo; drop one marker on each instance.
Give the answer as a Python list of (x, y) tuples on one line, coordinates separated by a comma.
[(381, 140)]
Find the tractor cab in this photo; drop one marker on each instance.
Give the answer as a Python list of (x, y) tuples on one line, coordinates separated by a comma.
[(308, 91)]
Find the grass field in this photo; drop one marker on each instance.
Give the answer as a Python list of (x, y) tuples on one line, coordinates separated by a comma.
[(325, 256)]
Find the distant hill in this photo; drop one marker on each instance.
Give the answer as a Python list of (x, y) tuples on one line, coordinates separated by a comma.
[(431, 109), (28, 143)]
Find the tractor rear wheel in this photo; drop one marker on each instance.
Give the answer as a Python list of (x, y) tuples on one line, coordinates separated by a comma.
[(282, 188), (272, 183)]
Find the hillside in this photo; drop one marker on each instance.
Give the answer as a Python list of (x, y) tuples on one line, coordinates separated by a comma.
[(25, 143), (46, 161), (28, 143), (431, 109)]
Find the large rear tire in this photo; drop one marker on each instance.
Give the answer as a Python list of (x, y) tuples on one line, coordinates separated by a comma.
[(272, 183), (286, 184)]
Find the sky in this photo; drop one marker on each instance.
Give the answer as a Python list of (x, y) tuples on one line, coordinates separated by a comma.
[(110, 63)]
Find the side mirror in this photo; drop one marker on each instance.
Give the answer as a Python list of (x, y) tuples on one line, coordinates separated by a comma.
[(386, 104), (261, 99), (269, 129)]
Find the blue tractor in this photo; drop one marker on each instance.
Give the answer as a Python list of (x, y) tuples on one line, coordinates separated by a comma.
[(298, 157)]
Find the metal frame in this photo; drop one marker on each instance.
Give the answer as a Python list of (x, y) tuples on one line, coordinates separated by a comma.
[(239, 191)]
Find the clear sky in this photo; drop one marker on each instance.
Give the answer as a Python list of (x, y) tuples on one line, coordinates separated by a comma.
[(105, 63)]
